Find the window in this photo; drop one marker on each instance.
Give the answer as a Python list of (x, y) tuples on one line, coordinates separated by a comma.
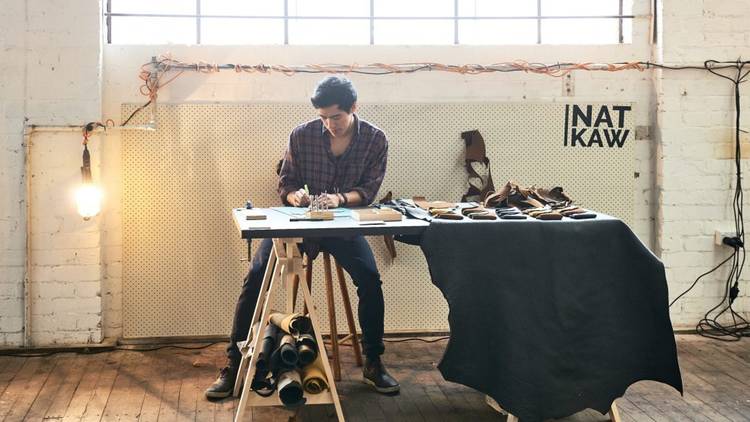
[(363, 22)]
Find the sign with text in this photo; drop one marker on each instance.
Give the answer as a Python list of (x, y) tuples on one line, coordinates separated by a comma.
[(596, 126)]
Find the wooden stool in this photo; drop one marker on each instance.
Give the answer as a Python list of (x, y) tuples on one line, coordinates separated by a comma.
[(352, 336)]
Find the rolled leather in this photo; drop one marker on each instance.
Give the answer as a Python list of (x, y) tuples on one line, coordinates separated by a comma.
[(295, 323), (290, 389), (267, 346), (313, 377), (307, 349), (288, 351)]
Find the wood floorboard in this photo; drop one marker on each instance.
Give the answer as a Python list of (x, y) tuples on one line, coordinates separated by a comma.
[(30, 390), (154, 386), (9, 373), (168, 384), (86, 387), (170, 398), (71, 370), (16, 385), (64, 364), (95, 407)]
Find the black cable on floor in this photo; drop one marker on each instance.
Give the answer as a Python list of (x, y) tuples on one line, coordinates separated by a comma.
[(94, 351)]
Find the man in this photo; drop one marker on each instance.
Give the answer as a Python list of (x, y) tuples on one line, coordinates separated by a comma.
[(336, 153)]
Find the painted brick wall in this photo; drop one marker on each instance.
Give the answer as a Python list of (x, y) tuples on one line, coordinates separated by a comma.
[(696, 143), (50, 73)]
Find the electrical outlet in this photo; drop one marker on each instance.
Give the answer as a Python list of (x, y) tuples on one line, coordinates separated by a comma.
[(719, 236)]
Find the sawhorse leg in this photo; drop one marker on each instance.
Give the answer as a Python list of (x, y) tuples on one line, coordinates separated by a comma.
[(287, 267)]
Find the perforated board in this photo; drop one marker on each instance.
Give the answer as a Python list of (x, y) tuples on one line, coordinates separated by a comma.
[(183, 258)]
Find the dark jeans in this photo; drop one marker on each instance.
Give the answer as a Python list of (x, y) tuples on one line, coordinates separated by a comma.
[(355, 256)]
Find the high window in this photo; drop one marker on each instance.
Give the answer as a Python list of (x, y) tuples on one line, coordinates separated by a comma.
[(363, 22)]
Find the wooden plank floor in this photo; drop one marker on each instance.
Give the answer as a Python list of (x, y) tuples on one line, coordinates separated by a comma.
[(167, 385)]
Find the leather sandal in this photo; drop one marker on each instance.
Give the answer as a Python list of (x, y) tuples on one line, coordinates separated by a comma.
[(445, 213), (483, 215), (513, 217), (552, 215), (423, 203), (568, 213)]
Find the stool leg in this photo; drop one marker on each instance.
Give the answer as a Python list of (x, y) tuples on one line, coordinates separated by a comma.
[(292, 296), (349, 315), (332, 318), (308, 276)]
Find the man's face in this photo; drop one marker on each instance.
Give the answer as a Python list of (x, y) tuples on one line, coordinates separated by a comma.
[(337, 121)]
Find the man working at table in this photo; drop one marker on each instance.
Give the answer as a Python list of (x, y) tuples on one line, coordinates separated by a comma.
[(336, 153)]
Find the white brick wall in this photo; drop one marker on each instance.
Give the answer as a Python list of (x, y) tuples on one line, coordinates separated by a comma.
[(695, 120), (51, 72)]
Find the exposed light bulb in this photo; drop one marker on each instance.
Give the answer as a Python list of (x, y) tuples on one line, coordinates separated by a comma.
[(88, 200), (88, 196)]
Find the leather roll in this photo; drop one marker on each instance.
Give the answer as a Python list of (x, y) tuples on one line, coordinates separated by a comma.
[(295, 323), (263, 363), (290, 389), (307, 349), (288, 351), (314, 378)]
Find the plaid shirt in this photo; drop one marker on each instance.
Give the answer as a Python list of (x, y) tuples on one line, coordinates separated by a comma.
[(309, 160)]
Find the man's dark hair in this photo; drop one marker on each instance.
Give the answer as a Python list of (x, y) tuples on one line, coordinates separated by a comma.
[(335, 90)]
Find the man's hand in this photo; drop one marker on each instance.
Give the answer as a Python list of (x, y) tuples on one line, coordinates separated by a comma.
[(333, 200), (298, 198)]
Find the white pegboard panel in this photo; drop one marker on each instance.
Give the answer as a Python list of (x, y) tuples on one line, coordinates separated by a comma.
[(182, 256)]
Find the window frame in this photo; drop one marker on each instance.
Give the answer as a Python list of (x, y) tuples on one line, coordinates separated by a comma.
[(539, 17)]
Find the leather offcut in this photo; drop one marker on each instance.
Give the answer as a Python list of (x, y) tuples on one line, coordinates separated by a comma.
[(476, 156)]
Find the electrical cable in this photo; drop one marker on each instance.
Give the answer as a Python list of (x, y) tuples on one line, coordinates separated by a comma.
[(98, 350), (700, 277), (710, 326)]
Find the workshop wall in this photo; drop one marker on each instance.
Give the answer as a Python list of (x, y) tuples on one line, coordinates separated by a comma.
[(52, 72), (695, 134), (121, 86)]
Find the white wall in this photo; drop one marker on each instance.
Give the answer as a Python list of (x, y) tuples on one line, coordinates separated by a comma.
[(695, 121), (51, 72)]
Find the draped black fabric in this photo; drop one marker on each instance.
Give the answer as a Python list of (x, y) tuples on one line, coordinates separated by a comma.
[(551, 317)]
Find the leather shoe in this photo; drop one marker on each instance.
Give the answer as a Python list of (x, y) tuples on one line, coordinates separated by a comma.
[(224, 384), (376, 375)]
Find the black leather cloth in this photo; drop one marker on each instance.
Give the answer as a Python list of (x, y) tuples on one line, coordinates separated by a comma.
[(551, 317)]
